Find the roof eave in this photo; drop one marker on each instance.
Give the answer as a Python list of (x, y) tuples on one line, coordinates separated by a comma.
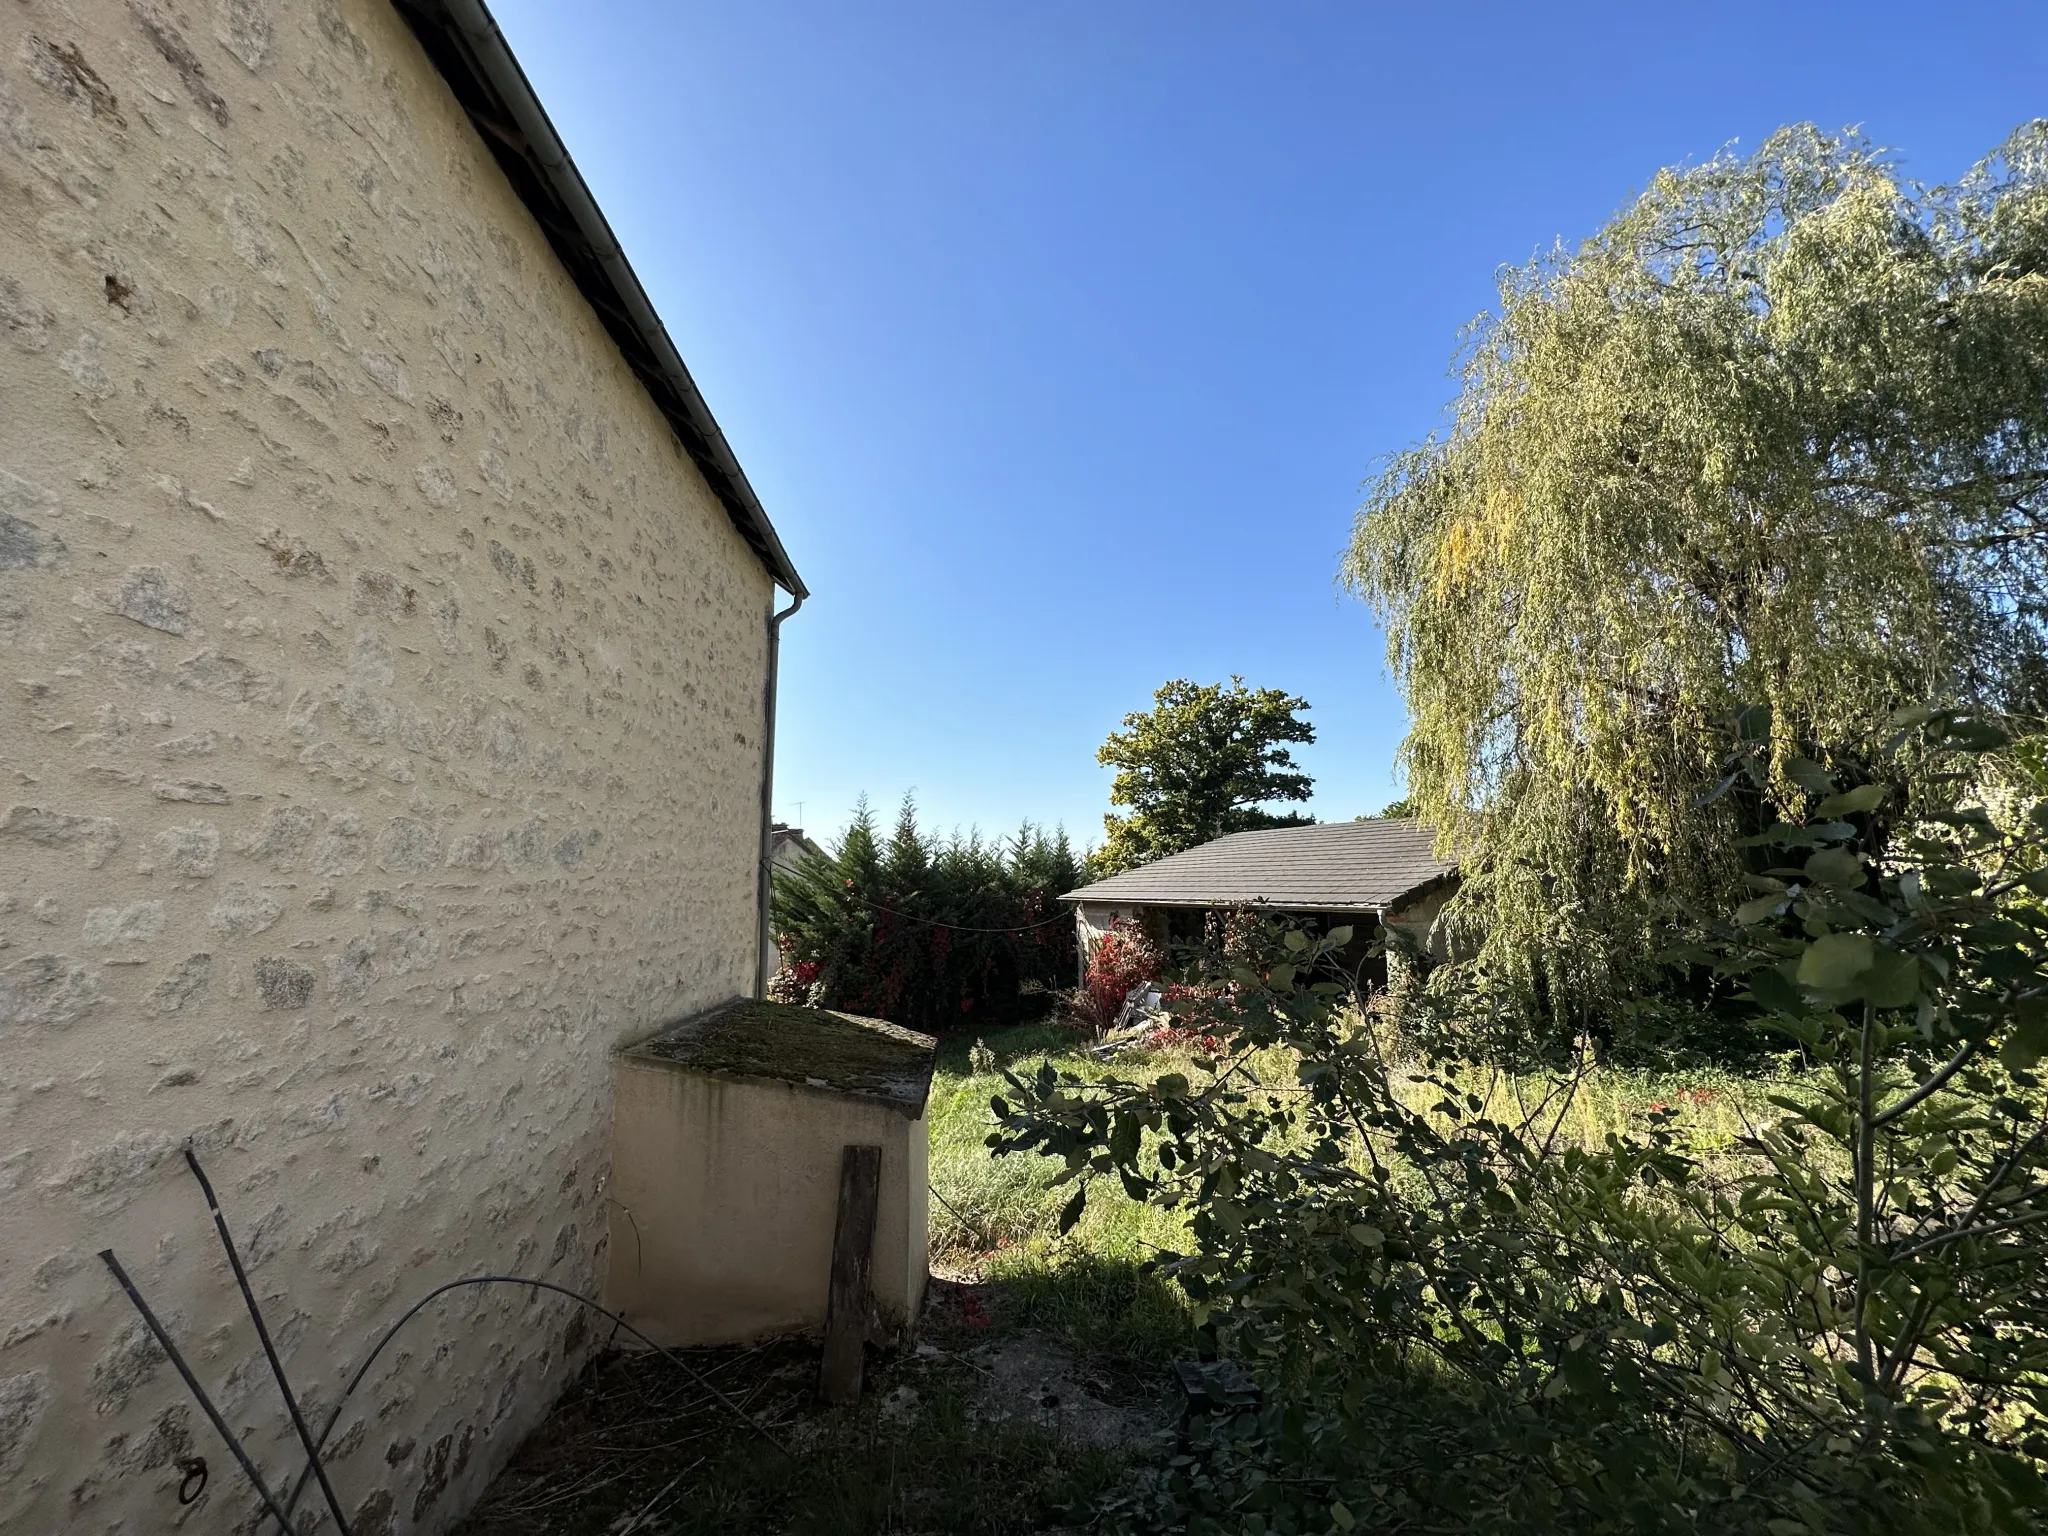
[(1213, 902), (465, 45), (1421, 888)]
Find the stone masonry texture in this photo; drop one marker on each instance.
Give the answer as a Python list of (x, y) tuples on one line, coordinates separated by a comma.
[(380, 724)]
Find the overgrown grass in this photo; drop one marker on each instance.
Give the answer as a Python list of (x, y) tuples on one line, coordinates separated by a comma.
[(997, 1218), (1710, 1108)]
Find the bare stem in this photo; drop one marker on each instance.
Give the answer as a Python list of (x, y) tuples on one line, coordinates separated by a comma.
[(1866, 1205)]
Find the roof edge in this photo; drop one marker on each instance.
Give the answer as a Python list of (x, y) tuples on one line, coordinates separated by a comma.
[(463, 41), (1080, 896)]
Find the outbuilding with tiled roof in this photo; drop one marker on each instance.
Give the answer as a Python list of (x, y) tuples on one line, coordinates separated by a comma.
[(1378, 871)]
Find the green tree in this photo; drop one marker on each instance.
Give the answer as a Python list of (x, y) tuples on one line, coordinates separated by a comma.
[(928, 930), (1777, 435), (1204, 761)]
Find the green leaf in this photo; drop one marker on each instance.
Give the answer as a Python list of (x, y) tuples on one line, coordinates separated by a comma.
[(1295, 940), (1953, 880), (1123, 1141), (1707, 797), (1342, 1517), (1071, 1211), (2027, 1043), (1171, 1085), (1339, 937), (1810, 776), (1893, 980), (1837, 963), (1975, 736), (1755, 911), (1835, 866), (1853, 802), (1774, 990)]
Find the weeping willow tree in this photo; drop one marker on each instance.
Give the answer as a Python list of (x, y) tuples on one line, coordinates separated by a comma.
[(1776, 436)]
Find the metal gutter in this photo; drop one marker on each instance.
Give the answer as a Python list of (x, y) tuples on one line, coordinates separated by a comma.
[(1081, 896), (1221, 903), (465, 45)]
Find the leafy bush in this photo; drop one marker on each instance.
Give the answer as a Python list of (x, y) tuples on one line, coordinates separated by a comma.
[(931, 932), (1123, 958), (1681, 1016), (1460, 1320)]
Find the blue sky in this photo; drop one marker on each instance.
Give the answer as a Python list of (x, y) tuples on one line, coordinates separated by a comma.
[(1057, 338)]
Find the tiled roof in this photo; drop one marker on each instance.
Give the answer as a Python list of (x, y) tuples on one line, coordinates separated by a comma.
[(1332, 866)]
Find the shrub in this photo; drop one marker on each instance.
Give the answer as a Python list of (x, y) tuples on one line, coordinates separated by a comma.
[(794, 983), (1122, 959), (1460, 1320), (935, 933)]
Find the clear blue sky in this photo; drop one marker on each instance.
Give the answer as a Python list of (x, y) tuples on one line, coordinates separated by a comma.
[(1058, 337)]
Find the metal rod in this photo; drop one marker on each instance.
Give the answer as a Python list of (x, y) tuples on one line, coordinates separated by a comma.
[(291, 1402), (391, 1333), (284, 1523)]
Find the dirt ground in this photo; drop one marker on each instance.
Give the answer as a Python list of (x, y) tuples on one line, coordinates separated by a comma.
[(980, 1429)]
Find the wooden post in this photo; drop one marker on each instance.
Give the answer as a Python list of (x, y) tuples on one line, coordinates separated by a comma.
[(850, 1301)]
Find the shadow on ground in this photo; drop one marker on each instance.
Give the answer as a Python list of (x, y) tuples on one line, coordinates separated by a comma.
[(993, 1425)]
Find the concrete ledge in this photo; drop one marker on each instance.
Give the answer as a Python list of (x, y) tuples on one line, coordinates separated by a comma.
[(837, 1053)]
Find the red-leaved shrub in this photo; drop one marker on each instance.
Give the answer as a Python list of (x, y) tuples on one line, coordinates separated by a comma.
[(1120, 960)]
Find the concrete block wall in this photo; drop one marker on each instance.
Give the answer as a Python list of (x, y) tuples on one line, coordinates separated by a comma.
[(380, 731)]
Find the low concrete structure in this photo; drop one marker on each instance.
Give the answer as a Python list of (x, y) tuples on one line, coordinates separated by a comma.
[(727, 1131)]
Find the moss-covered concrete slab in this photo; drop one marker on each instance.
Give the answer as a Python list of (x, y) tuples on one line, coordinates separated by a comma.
[(815, 1048)]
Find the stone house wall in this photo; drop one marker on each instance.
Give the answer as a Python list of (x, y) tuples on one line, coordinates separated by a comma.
[(380, 722)]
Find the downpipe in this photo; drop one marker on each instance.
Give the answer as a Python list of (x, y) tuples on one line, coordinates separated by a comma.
[(766, 893)]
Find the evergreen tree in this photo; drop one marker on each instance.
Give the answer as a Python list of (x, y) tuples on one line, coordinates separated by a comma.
[(929, 931)]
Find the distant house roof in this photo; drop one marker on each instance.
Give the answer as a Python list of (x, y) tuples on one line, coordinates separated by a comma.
[(789, 845), (1337, 866), (473, 57)]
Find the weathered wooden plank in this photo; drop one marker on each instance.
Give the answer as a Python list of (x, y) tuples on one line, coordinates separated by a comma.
[(850, 1299)]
